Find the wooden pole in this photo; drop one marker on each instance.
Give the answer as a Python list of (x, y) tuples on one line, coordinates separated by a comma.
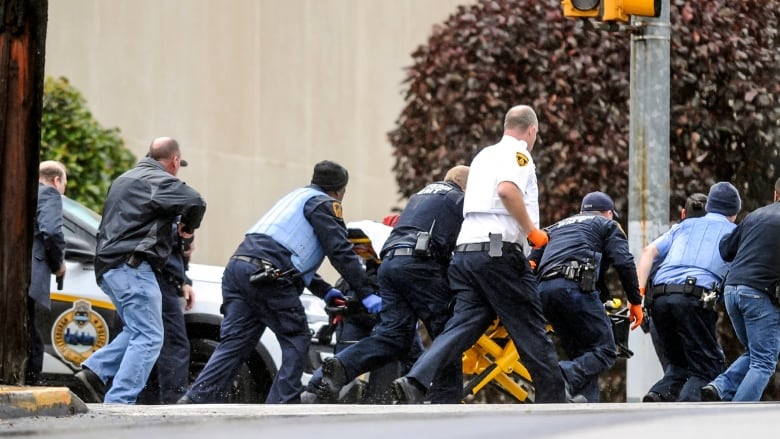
[(22, 56)]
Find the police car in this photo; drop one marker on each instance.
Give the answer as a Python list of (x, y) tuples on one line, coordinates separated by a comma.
[(82, 318)]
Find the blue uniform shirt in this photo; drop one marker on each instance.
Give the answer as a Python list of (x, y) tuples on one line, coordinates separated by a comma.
[(691, 249), (324, 215)]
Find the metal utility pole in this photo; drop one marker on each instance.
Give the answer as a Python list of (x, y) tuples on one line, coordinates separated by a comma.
[(648, 172), (22, 55)]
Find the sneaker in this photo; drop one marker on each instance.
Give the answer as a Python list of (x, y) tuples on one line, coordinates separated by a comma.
[(91, 385), (709, 393), (652, 397), (185, 400), (333, 379), (573, 399), (407, 391)]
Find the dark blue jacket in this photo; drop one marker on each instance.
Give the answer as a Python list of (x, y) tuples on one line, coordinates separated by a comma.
[(441, 202), (48, 249), (588, 236), (754, 250)]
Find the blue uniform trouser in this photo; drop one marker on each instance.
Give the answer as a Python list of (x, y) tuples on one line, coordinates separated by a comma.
[(349, 331), (484, 288), (174, 360), (411, 289), (585, 332), (690, 345), (248, 311), (756, 323)]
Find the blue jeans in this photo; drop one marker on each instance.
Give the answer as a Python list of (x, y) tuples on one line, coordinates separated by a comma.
[(756, 323), (129, 358)]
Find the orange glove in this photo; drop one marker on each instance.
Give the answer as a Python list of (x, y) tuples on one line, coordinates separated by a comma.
[(538, 238), (635, 315), (532, 263), (642, 291)]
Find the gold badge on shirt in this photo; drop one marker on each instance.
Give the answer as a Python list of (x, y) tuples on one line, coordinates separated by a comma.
[(337, 210), (522, 159)]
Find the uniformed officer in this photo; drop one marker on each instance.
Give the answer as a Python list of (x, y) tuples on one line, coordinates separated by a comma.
[(489, 273), (413, 285), (265, 277), (694, 208), (571, 269), (689, 270)]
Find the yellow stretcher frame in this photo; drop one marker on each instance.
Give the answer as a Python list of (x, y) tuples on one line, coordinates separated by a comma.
[(494, 359)]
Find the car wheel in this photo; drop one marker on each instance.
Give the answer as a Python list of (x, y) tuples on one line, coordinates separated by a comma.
[(246, 388)]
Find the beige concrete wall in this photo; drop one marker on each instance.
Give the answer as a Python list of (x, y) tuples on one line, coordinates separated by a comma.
[(256, 91)]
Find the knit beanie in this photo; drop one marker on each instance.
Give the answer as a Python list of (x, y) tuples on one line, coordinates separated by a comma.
[(723, 199), (330, 176)]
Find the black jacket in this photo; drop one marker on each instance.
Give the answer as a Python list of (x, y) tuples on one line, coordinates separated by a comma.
[(753, 249), (140, 207)]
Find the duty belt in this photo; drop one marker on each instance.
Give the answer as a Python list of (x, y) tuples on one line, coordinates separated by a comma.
[(659, 290), (257, 262), (400, 251), (485, 246), (566, 271)]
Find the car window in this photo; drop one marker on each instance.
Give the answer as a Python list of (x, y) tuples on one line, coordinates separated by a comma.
[(79, 221)]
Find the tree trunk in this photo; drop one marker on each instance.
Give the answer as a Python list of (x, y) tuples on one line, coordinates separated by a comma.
[(22, 56)]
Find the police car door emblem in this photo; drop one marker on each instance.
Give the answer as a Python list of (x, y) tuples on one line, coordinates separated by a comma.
[(522, 160), (78, 332)]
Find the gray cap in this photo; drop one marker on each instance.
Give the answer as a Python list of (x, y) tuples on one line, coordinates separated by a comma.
[(723, 199)]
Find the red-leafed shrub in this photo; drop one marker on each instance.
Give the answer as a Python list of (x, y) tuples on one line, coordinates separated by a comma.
[(487, 57)]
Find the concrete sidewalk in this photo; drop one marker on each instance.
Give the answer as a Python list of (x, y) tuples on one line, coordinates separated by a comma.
[(21, 401)]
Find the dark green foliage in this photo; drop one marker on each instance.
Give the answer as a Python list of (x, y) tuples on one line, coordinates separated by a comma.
[(724, 124), (93, 155)]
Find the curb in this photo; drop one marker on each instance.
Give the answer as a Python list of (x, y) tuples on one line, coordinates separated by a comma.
[(21, 401)]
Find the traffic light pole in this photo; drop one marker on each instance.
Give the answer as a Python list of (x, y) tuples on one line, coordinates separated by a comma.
[(648, 172)]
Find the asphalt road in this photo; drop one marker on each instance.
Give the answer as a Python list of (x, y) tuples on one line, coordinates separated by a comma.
[(580, 421)]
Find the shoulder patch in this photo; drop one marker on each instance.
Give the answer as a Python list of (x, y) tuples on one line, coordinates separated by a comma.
[(337, 210), (522, 159)]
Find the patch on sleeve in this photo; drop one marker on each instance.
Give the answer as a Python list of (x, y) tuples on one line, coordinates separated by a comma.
[(337, 210), (522, 159)]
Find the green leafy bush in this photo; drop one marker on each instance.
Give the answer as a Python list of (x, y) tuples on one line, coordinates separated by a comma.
[(93, 155)]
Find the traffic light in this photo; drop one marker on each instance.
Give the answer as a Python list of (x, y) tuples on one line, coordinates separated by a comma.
[(620, 10), (611, 10), (580, 8)]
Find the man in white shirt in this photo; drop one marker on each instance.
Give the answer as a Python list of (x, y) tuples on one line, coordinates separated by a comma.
[(489, 273)]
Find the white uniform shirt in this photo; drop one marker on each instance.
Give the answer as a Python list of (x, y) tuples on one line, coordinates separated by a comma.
[(484, 213)]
